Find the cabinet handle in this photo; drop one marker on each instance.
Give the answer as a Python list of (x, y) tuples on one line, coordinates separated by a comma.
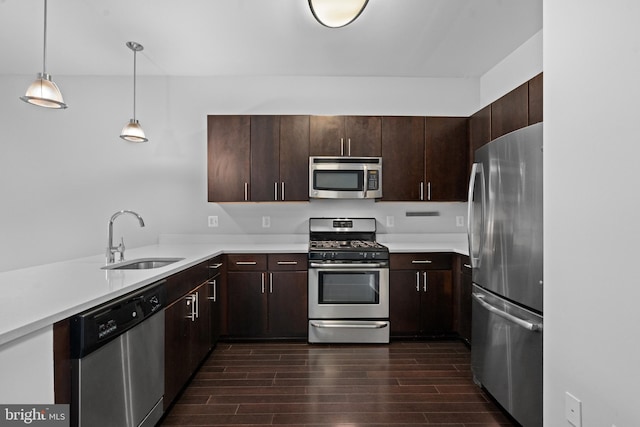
[(197, 305), (467, 265), (349, 147), (425, 282), (262, 284), (215, 266), (275, 191), (421, 190), (421, 261), (191, 302), (342, 146), (429, 190), (215, 285), (417, 281), (246, 262), (287, 262), (282, 191), (246, 191), (270, 283)]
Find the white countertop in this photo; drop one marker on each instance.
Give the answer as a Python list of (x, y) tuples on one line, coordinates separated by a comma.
[(36, 297)]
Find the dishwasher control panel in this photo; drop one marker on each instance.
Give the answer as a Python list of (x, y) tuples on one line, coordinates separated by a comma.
[(95, 327)]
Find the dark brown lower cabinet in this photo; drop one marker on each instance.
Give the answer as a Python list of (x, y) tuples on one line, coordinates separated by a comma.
[(267, 302), (188, 337), (462, 297), (421, 298)]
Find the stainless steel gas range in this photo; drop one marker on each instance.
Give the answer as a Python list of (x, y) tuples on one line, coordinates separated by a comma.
[(348, 282)]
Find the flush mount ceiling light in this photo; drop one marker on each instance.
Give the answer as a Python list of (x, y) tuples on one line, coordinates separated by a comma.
[(336, 13), (43, 92), (132, 131)]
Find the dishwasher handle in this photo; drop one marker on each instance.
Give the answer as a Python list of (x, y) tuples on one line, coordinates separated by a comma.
[(534, 327)]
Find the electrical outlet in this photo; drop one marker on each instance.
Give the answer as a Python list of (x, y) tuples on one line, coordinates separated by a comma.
[(459, 221), (266, 221), (213, 221), (391, 221), (573, 409)]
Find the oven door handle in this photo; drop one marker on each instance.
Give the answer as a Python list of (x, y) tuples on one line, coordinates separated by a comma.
[(354, 265), (376, 325)]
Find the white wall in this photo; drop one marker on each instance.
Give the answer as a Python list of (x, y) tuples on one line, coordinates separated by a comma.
[(592, 148), (63, 173), (520, 66)]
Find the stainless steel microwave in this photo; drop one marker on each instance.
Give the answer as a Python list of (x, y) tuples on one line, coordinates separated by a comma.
[(345, 177)]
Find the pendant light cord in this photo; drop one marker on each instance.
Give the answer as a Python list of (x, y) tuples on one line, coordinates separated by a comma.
[(44, 52), (134, 84)]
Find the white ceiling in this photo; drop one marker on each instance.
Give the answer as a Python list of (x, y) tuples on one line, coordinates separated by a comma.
[(410, 38)]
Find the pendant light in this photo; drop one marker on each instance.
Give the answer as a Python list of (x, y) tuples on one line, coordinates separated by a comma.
[(336, 13), (43, 92), (132, 131)]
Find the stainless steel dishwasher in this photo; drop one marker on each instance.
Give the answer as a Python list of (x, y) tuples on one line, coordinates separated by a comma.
[(117, 352)]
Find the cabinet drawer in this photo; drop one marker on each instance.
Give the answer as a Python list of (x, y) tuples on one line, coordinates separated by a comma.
[(247, 262), (180, 283), (287, 262), (420, 261)]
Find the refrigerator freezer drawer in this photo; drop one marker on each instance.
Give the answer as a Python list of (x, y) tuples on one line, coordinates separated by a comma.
[(506, 355)]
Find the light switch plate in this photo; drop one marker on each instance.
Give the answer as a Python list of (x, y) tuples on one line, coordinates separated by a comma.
[(390, 221), (266, 221), (573, 409), (459, 221), (213, 221)]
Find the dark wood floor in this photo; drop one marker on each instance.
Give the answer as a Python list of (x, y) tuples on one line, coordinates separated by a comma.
[(400, 384)]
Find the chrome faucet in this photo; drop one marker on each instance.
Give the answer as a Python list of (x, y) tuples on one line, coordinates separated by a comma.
[(111, 250)]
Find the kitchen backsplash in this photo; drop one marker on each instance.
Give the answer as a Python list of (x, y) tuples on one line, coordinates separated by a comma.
[(292, 218)]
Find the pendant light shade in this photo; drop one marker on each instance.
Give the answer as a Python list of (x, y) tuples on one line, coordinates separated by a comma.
[(336, 13), (43, 92), (132, 131)]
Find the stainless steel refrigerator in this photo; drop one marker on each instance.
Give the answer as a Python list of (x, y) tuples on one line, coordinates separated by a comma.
[(505, 247)]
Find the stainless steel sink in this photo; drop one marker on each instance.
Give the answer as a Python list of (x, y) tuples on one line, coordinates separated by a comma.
[(142, 264)]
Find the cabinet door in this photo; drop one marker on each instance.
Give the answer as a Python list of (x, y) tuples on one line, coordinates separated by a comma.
[(294, 158), (535, 99), (177, 352), (325, 135), (404, 303), (363, 136), (403, 158), (479, 132), (446, 151), (437, 303), (510, 112), (200, 326), (287, 304), (464, 303), (228, 157), (265, 158), (247, 304)]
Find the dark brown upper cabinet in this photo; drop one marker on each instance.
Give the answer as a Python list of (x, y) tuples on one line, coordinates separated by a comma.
[(479, 131), (345, 136), (424, 158), (402, 158), (535, 99), (258, 158), (511, 112), (229, 158), (446, 151)]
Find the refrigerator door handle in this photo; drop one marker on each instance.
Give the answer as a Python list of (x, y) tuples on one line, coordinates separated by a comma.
[(471, 232), (534, 327)]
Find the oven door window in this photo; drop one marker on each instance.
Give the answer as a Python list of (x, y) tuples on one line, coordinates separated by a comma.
[(338, 180), (349, 287)]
